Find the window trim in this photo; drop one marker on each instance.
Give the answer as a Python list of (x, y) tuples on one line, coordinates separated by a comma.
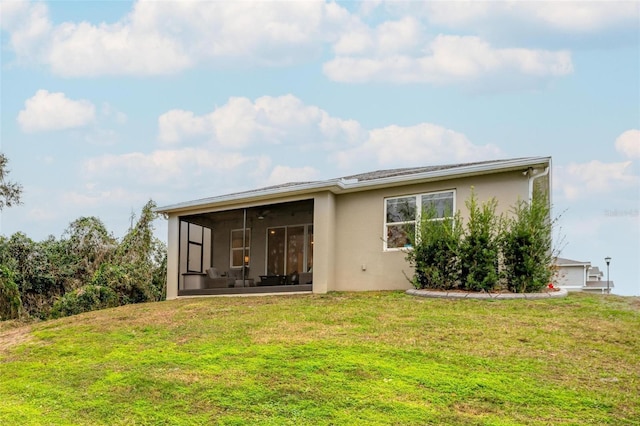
[(418, 213)]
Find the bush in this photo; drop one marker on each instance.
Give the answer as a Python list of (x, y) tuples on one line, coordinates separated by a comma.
[(526, 246), (84, 299), (435, 252), (60, 271), (517, 250), (130, 283), (10, 302), (479, 248)]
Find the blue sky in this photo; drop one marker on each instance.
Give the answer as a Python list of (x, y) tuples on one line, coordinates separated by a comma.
[(105, 105)]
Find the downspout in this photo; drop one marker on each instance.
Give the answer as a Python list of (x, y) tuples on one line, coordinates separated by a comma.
[(531, 182), (532, 178)]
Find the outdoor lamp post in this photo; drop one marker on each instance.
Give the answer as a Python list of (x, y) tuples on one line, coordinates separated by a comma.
[(608, 260)]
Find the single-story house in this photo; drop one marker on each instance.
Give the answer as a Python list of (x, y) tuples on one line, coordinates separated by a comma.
[(575, 275), (344, 234)]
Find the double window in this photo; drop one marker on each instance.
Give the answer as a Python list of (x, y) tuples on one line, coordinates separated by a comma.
[(402, 214)]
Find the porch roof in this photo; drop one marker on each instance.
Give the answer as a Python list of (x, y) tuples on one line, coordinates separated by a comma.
[(598, 284), (560, 261), (361, 182)]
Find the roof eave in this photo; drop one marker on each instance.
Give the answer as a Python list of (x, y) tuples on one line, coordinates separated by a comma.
[(339, 186)]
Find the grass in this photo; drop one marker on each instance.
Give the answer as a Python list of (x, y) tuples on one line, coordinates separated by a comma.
[(342, 358)]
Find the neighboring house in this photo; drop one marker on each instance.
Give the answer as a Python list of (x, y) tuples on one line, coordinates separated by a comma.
[(595, 283), (571, 274), (574, 275), (344, 234)]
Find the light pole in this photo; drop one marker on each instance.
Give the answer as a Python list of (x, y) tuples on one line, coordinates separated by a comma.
[(608, 260)]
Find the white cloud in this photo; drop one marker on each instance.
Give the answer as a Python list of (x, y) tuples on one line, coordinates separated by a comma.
[(169, 37), (161, 167), (87, 50), (425, 143), (91, 198), (175, 125), (166, 174), (581, 16), (101, 137), (391, 37), (586, 180), (287, 140), (515, 16), (269, 120), (54, 111), (628, 143), (112, 113), (284, 174), (29, 27), (450, 59), (41, 214)]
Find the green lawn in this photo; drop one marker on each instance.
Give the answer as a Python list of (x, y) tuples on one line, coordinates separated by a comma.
[(342, 358)]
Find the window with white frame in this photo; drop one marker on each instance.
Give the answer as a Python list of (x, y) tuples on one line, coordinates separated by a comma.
[(402, 214), (240, 247)]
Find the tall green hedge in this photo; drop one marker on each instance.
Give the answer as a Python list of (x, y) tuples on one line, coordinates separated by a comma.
[(434, 253), (479, 249), (491, 252), (526, 246)]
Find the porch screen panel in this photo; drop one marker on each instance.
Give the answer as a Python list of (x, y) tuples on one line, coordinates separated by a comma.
[(295, 249), (276, 238), (309, 248), (238, 251), (194, 248)]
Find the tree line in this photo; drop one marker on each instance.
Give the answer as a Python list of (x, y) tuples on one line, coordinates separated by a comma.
[(86, 269)]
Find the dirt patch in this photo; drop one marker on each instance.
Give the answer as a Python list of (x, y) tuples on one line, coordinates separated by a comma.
[(13, 337)]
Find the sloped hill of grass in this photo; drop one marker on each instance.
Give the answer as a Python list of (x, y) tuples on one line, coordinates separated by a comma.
[(367, 358)]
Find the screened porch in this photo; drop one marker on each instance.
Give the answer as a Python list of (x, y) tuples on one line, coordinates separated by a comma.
[(265, 249)]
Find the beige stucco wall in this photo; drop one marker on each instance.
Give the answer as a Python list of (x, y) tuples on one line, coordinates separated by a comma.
[(172, 256), (324, 250), (360, 260)]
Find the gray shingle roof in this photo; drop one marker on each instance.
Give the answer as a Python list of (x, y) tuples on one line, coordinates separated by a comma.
[(380, 174)]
